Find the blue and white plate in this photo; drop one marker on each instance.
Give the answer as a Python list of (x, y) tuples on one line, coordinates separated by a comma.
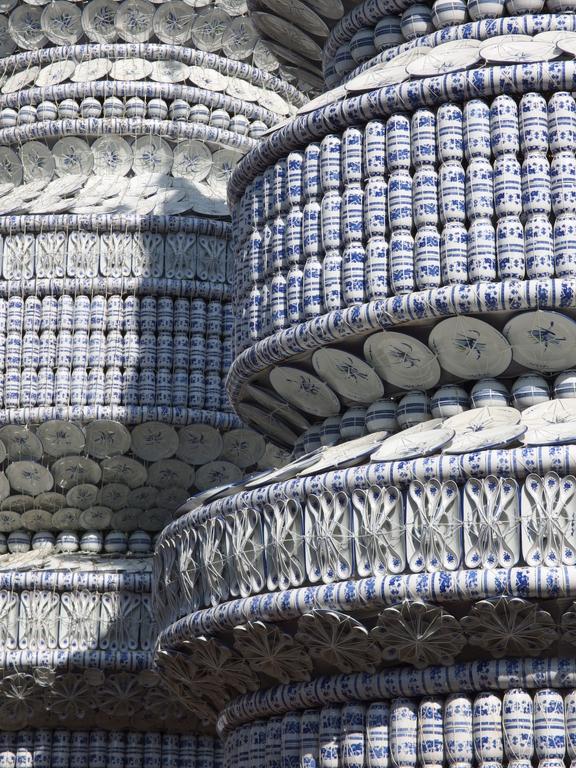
[(349, 376), (543, 341), (402, 360), (497, 437), (470, 348), (305, 391), (413, 444)]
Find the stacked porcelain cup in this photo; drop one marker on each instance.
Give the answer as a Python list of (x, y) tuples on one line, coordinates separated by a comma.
[(402, 593), (119, 126)]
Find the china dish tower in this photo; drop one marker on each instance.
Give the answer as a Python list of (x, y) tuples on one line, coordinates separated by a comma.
[(120, 123), (402, 593)]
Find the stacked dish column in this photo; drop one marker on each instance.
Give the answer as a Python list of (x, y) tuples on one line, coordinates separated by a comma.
[(403, 591), (120, 124)]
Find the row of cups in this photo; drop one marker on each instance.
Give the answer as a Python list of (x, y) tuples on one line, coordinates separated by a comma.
[(94, 542), (417, 407), (177, 110)]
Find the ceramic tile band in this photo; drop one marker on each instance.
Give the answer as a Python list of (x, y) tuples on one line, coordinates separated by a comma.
[(144, 286), (129, 661), (147, 90), (407, 97), (61, 581), (526, 24), (115, 260), (374, 592), (144, 749), (129, 415), (388, 313), (335, 537), (155, 52), (482, 726), (39, 223), (45, 621), (93, 126)]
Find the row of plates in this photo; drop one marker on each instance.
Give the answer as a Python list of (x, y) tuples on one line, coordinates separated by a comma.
[(113, 155), (453, 56), (476, 430), (135, 69), (459, 348), (153, 194), (62, 476), (60, 22)]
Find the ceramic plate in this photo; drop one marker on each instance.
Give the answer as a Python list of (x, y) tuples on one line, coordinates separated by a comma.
[(497, 437), (480, 419), (223, 163), (151, 155), (470, 348), (37, 161), (543, 341), (37, 520), (552, 434), (287, 34), (134, 20), (264, 421), (243, 447), (348, 375), (112, 156), (324, 100), (144, 496), (10, 167), (519, 52), (123, 469), (216, 473), (169, 473), (300, 15), (304, 391), (346, 455), (113, 495), (127, 519), (402, 360), (72, 156), (288, 471), (130, 69), (20, 80), (99, 23), (75, 470), (210, 79), (551, 412), (17, 503), (19, 442), (432, 64), (95, 69), (29, 477), (239, 39), (67, 518), (10, 521), (199, 444), (276, 406), (105, 437), (192, 160), (173, 23), (169, 71), (412, 445), (60, 437), (25, 28), (153, 440), (96, 518), (61, 22), (208, 29), (82, 496), (55, 73), (51, 501)]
